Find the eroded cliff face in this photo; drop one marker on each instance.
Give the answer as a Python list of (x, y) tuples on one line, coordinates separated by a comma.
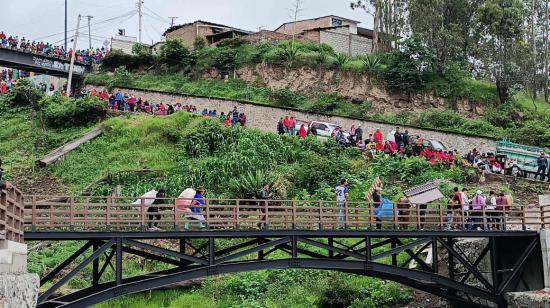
[(352, 85)]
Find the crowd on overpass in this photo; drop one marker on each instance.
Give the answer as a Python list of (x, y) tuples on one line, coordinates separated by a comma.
[(87, 56)]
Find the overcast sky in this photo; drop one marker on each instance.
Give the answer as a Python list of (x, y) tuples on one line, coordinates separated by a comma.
[(44, 19)]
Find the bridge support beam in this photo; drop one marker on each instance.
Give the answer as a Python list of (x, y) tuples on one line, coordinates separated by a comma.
[(545, 247)]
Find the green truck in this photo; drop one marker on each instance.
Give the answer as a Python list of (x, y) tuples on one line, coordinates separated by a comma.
[(524, 155)]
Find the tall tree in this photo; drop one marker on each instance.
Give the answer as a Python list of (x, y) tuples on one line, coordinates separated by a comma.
[(390, 21), (446, 26), (499, 36)]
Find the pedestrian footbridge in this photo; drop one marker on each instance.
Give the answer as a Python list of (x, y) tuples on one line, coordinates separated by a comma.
[(469, 267)]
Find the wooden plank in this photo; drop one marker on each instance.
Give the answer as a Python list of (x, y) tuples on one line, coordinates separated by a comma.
[(58, 153)]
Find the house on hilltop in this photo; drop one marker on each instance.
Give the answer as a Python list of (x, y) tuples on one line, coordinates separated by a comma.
[(342, 34), (210, 31)]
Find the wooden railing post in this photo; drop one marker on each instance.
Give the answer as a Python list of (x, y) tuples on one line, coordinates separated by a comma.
[(320, 215), (108, 214), (237, 214), (395, 216), (33, 214), (142, 214), (524, 219), (207, 219), (346, 218), (442, 217), (293, 215), (175, 211), (266, 208), (71, 214)]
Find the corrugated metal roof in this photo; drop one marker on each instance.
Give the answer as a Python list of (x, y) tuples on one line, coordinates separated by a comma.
[(422, 188)]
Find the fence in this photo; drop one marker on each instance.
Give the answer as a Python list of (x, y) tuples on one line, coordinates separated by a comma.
[(11, 215), (70, 213)]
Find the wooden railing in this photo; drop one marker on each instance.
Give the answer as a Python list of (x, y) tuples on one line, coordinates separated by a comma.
[(11, 215), (70, 213)]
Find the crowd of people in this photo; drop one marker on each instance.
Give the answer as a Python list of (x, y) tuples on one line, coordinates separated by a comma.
[(491, 163), (399, 142), (475, 212), (124, 102), (39, 47)]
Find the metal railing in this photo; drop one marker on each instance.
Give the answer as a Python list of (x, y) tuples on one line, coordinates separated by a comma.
[(91, 214), (11, 215)]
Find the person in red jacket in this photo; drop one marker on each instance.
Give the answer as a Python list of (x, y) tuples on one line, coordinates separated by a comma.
[(378, 138), (287, 124), (302, 133)]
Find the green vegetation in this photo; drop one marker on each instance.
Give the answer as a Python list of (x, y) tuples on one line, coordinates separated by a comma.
[(233, 163), (60, 111), (230, 162), (507, 125)]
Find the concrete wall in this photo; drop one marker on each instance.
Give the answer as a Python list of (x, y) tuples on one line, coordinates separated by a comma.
[(302, 25), (343, 42), (188, 33), (265, 118)]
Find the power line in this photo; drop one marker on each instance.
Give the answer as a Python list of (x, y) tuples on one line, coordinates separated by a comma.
[(160, 18), (95, 23)]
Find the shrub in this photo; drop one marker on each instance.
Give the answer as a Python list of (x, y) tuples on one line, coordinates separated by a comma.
[(65, 112), (22, 94), (441, 119), (326, 103), (339, 296), (500, 117), (225, 61), (410, 67), (289, 53), (341, 60), (199, 43), (372, 63), (287, 98), (174, 53), (532, 132), (481, 127)]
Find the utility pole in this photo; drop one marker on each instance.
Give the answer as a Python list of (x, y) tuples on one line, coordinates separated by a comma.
[(65, 25), (71, 67), (172, 18), (89, 30), (139, 5)]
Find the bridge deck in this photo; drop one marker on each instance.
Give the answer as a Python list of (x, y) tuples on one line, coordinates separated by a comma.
[(70, 214)]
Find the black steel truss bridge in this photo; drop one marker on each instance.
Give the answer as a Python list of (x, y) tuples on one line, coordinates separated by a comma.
[(438, 262)]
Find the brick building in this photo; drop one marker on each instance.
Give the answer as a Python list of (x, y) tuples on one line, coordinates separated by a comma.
[(342, 34), (211, 32)]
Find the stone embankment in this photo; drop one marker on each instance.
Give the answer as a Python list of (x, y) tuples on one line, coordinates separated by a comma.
[(18, 288), (265, 118)]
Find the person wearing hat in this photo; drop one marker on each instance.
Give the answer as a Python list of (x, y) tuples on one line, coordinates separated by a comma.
[(154, 215), (542, 164)]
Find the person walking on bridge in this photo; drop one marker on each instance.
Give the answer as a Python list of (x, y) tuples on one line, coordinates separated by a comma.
[(341, 193), (153, 210)]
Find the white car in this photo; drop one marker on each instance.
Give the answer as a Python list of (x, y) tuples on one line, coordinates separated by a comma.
[(324, 129)]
